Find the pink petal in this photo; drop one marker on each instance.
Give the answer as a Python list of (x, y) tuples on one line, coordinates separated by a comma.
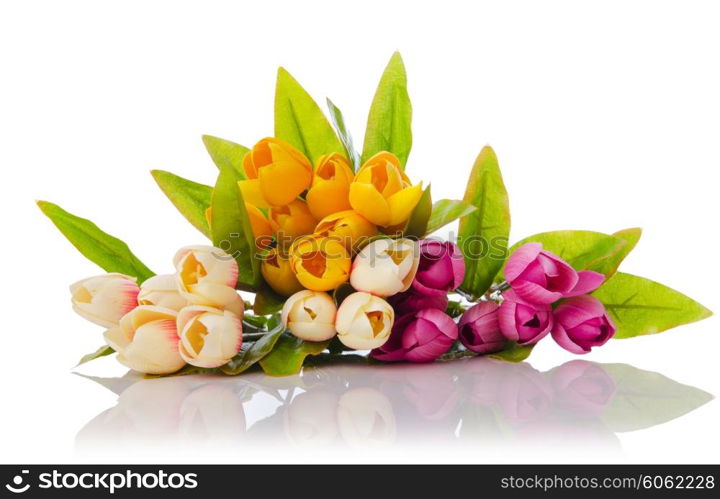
[(520, 259), (534, 293), (561, 337), (588, 281)]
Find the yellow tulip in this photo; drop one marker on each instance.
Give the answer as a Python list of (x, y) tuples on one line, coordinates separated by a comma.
[(320, 263), (261, 227), (347, 227), (330, 186), (277, 173), (278, 273), (382, 193), (292, 221)]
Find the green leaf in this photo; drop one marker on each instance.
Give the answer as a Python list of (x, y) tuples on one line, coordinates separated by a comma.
[(338, 122), (226, 154), (513, 352), (417, 224), (252, 352), (267, 301), (231, 229), (609, 265), (644, 399), (483, 234), (446, 211), (300, 121), (390, 116), (190, 198), (103, 351), (639, 306), (289, 354), (110, 253), (583, 249)]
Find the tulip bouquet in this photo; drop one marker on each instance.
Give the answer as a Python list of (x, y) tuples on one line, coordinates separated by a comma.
[(335, 250)]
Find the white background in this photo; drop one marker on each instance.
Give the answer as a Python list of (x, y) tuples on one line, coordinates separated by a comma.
[(604, 115)]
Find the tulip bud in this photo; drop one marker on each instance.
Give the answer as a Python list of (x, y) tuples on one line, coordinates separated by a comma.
[(162, 291), (523, 322), (330, 186), (208, 337), (412, 301), (441, 268), (419, 337), (104, 299), (582, 323), (262, 228), (320, 263), (366, 419), (278, 273), (347, 227), (364, 321), (479, 328), (292, 221), (146, 340), (381, 192), (207, 276), (277, 173), (385, 267), (310, 315), (538, 276)]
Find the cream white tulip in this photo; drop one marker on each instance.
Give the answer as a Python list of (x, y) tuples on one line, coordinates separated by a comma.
[(162, 291), (146, 340), (207, 276), (310, 315), (104, 299), (386, 266), (209, 337), (364, 321)]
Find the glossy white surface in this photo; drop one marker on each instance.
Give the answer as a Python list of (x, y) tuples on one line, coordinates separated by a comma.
[(604, 115)]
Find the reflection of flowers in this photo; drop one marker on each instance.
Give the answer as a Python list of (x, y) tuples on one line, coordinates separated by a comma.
[(311, 420), (366, 418), (582, 387)]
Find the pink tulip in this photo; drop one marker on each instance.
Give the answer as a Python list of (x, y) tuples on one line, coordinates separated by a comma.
[(418, 337), (479, 328), (538, 276), (412, 301), (441, 269), (582, 323), (523, 322)]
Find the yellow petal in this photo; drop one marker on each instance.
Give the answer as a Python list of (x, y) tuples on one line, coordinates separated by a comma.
[(327, 197), (403, 203), (252, 193), (281, 183), (369, 203)]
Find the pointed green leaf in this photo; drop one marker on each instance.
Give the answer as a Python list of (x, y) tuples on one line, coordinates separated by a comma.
[(289, 354), (644, 399), (513, 352), (300, 121), (253, 352), (390, 117), (609, 266), (190, 198), (226, 154), (639, 306), (103, 351), (417, 224), (109, 252), (231, 229), (583, 249), (338, 122), (483, 234), (446, 211)]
